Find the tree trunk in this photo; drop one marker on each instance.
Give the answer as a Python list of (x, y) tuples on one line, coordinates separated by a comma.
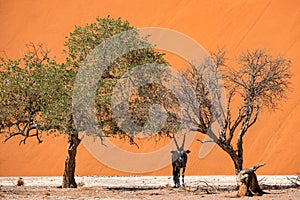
[(238, 161), (69, 173)]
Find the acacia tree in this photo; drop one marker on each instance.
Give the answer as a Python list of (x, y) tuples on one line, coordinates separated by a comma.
[(35, 97), (259, 82), (79, 44)]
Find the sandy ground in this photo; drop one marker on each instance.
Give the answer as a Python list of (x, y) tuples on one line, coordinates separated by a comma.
[(235, 25), (143, 187)]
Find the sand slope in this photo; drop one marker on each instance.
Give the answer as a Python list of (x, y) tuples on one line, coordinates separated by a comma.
[(237, 25)]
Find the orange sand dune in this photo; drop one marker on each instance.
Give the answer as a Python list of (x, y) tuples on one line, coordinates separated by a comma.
[(237, 25)]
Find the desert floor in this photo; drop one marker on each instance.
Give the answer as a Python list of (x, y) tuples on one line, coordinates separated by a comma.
[(144, 187)]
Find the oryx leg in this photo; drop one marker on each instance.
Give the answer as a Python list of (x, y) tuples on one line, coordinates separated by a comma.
[(183, 170), (176, 175)]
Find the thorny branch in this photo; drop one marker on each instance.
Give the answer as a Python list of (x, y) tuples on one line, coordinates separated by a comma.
[(38, 53)]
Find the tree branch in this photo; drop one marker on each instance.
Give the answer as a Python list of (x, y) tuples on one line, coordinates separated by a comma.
[(205, 141), (255, 117), (25, 132), (12, 135), (237, 122)]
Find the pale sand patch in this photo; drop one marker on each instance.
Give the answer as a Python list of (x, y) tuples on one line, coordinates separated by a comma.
[(143, 187), (144, 181)]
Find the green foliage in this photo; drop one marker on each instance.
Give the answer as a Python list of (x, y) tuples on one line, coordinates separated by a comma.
[(37, 88), (149, 95), (34, 87), (83, 40)]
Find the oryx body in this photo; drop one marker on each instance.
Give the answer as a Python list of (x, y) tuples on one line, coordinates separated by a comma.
[(179, 160)]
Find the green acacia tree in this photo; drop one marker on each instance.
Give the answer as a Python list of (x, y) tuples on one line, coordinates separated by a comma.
[(36, 97)]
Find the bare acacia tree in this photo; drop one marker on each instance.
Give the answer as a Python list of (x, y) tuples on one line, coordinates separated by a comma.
[(260, 81)]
